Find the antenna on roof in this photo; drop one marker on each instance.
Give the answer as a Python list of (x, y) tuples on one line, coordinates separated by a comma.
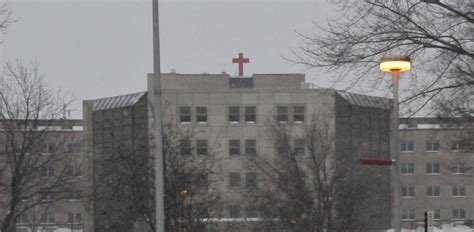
[(223, 69)]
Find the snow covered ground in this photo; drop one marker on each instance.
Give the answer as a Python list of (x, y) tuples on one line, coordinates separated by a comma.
[(444, 228)]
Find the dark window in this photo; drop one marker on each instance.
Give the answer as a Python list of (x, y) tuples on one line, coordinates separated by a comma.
[(408, 214), (407, 168), (185, 147), (185, 114), (459, 214), (201, 114), (74, 217), (282, 114), (458, 168), (407, 146), (238, 83), (234, 114), (408, 191), (251, 212), (432, 145), (457, 146), (250, 114), (234, 147), (250, 147), (251, 180), (298, 145), (437, 214), (234, 211), (433, 191), (47, 171), (48, 217), (298, 114), (201, 147), (432, 168), (234, 180), (459, 191)]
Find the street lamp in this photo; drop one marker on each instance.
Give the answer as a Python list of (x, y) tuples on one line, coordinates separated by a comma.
[(395, 65)]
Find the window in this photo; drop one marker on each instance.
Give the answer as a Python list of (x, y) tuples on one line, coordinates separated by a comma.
[(408, 214), (185, 147), (234, 147), (23, 219), (185, 115), (282, 114), (250, 114), (433, 191), (407, 168), (50, 196), (432, 168), (74, 169), (234, 211), (298, 145), (234, 180), (251, 180), (201, 147), (459, 214), (74, 147), (432, 145), (74, 217), (437, 214), (47, 171), (407, 146), (458, 168), (234, 114), (201, 115), (408, 191), (457, 146), (459, 191), (298, 114), (251, 212), (73, 196), (49, 148), (250, 147), (48, 217)]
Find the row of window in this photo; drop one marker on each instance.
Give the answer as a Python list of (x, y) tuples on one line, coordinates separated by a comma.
[(49, 217), (250, 180), (238, 147), (430, 146), (433, 168), (72, 170), (236, 211), (239, 114), (51, 148), (434, 191), (456, 214)]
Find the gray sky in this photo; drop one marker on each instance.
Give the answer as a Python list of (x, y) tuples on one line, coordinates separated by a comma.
[(104, 48)]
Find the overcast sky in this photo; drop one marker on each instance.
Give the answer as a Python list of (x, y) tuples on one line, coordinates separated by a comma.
[(104, 48)]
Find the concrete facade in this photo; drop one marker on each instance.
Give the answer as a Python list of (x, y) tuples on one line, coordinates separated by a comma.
[(430, 151), (353, 118)]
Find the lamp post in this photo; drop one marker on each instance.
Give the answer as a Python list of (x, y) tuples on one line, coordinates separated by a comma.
[(395, 66), (156, 124)]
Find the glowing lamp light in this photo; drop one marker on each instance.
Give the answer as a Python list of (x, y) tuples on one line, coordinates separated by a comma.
[(397, 64)]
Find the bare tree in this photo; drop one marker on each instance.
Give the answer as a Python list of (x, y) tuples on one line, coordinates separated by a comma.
[(32, 181), (307, 186), (191, 200), (437, 34)]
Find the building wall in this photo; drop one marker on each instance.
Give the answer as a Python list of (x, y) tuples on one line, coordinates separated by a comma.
[(117, 138), (363, 132), (360, 126), (419, 134), (66, 136)]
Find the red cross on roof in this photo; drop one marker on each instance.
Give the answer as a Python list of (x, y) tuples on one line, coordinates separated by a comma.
[(241, 60)]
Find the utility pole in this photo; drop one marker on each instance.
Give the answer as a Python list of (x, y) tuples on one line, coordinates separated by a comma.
[(156, 114)]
